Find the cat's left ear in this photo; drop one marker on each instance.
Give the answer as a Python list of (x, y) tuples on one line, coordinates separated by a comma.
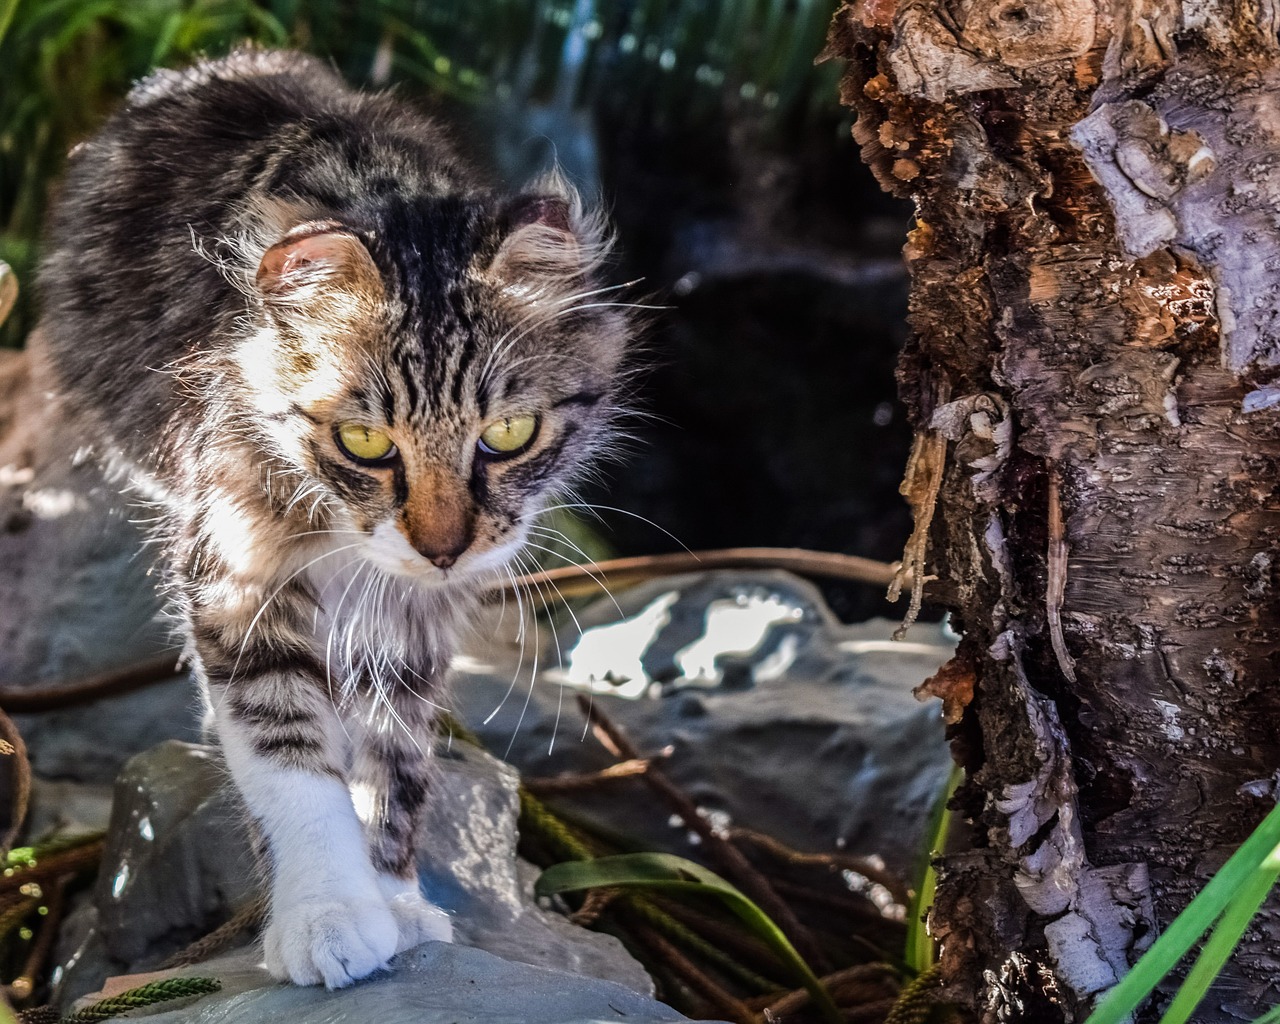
[(547, 236)]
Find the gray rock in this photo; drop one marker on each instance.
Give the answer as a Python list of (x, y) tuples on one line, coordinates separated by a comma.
[(178, 863), (90, 743), (75, 597), (66, 808), (777, 716), (70, 553), (436, 983), (177, 855)]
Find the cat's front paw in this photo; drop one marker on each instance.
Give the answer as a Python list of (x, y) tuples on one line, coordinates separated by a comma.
[(419, 921), (330, 941)]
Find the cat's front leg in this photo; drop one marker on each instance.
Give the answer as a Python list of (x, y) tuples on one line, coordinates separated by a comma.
[(391, 780), (329, 919)]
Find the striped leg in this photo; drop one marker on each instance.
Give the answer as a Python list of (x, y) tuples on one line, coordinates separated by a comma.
[(390, 782), (329, 921)]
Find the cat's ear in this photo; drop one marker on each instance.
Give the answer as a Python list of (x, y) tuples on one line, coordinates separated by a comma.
[(547, 236), (315, 263)]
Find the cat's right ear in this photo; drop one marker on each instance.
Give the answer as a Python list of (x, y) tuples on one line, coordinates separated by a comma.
[(315, 264)]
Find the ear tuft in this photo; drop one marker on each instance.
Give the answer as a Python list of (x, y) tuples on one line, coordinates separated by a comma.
[(315, 261), (548, 238)]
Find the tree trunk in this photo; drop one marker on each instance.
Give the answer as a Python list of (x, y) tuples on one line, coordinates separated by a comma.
[(1094, 375)]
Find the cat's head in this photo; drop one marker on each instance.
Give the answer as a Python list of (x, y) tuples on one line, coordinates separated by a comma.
[(431, 371)]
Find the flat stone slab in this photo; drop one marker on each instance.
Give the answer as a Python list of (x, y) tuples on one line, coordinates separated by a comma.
[(436, 983)]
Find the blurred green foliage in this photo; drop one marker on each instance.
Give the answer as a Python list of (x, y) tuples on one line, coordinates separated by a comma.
[(65, 63)]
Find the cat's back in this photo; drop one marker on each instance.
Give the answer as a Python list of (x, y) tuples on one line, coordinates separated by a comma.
[(135, 277)]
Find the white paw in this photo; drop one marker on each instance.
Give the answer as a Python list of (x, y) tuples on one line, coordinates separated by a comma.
[(419, 921), (329, 940)]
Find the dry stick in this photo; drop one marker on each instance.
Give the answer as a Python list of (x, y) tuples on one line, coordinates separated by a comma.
[(686, 937), (873, 1013), (853, 904), (52, 865), (19, 776), (732, 938), (835, 983), (250, 915), (557, 833), (571, 580), (8, 290), (727, 1003), (574, 581), (830, 861), (596, 903), (14, 914), (22, 699), (730, 857), (571, 782), (24, 984)]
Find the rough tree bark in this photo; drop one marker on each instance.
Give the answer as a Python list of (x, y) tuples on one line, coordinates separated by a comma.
[(1095, 380)]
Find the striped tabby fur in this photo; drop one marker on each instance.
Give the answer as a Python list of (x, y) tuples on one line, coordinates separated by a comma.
[(247, 257)]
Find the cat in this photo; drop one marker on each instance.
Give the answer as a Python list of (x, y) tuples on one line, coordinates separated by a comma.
[(347, 375)]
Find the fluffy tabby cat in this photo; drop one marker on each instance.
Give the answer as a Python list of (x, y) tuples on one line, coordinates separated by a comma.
[(348, 374)]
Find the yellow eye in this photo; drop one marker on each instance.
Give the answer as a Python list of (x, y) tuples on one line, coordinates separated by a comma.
[(365, 444), (509, 436)]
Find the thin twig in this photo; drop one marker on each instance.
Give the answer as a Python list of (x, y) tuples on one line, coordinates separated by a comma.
[(854, 904), (658, 917), (24, 699), (52, 865), (731, 937), (572, 781), (694, 976), (25, 983), (595, 904), (831, 861), (19, 776), (574, 581), (249, 916), (729, 856), (839, 981), (570, 580)]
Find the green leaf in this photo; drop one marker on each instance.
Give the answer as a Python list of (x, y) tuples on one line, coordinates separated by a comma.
[(920, 953), (668, 872), (1196, 918), (7, 10), (1226, 936), (1272, 1016)]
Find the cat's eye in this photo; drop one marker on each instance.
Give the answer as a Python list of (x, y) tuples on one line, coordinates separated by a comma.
[(508, 437), (365, 444)]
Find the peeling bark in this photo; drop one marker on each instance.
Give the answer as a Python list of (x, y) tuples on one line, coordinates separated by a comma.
[(1096, 363)]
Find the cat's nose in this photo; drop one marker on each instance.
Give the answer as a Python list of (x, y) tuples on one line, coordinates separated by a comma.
[(443, 558), (439, 517)]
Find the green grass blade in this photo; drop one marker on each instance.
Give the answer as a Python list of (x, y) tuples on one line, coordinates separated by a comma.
[(666, 871), (1187, 927), (1226, 936), (1272, 1016), (919, 953), (8, 8)]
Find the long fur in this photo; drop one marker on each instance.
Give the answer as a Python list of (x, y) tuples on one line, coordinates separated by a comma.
[(248, 256)]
